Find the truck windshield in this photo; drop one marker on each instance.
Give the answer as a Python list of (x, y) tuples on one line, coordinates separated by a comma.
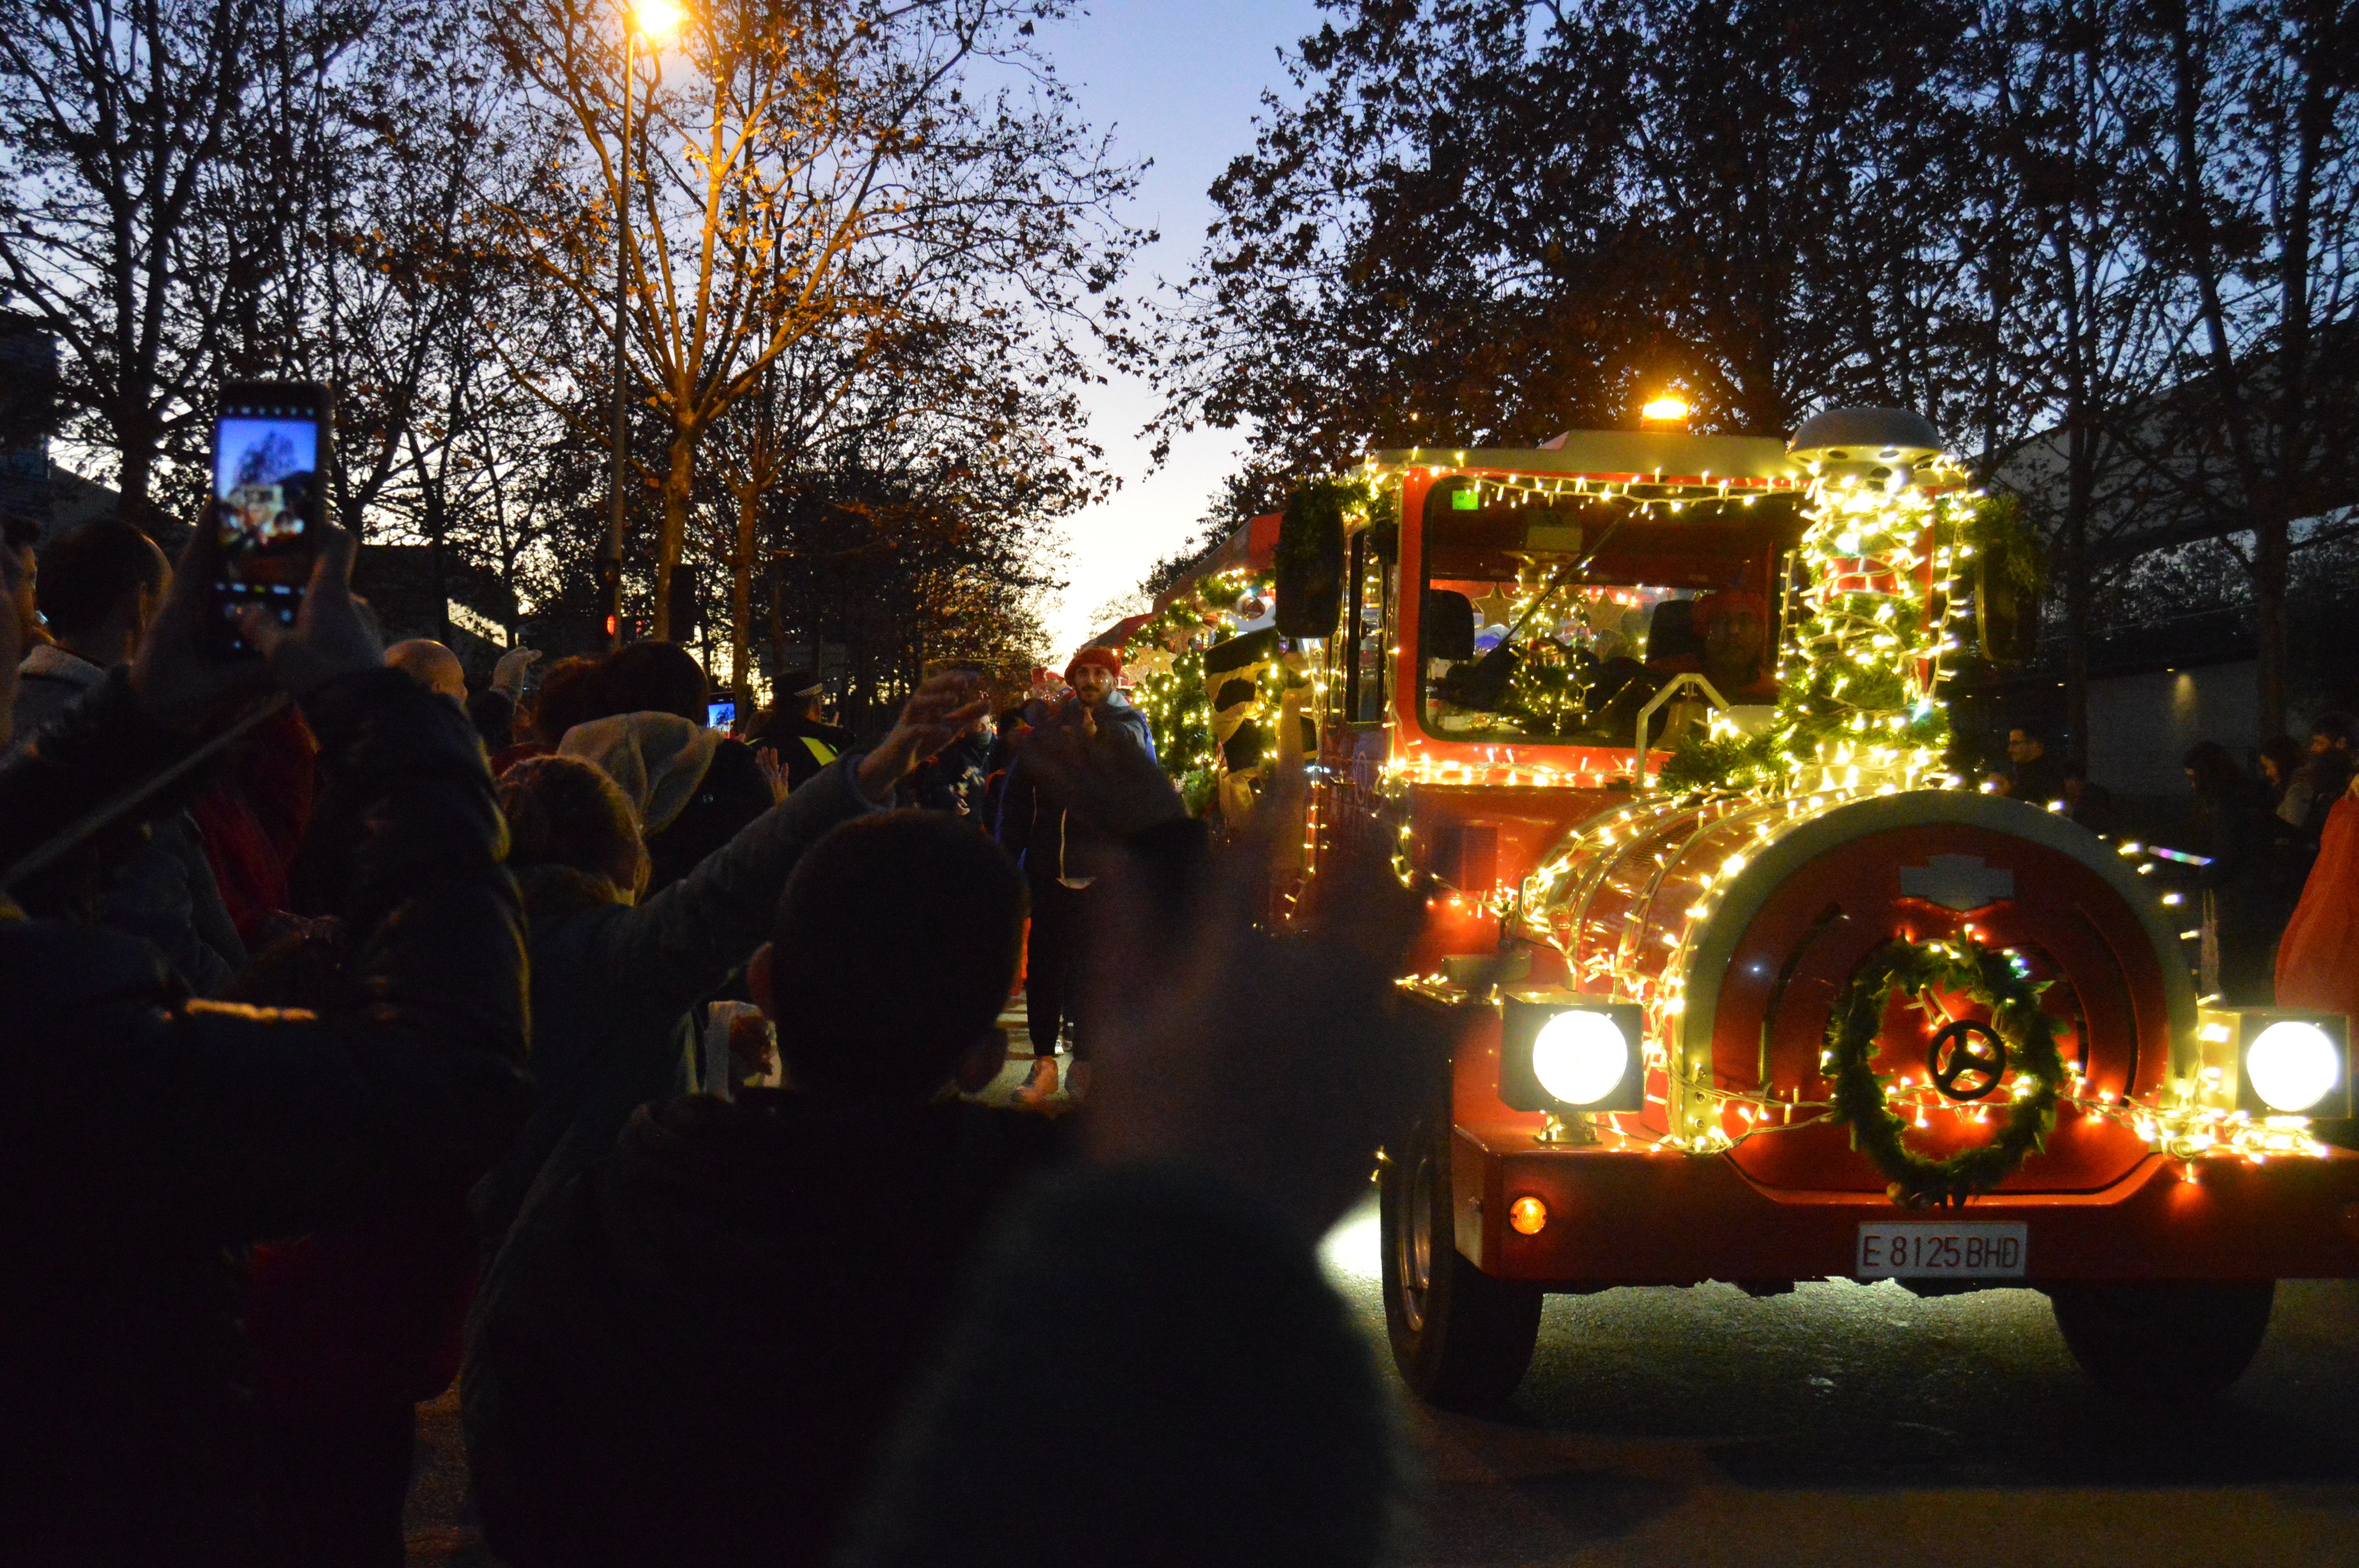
[(1598, 605)]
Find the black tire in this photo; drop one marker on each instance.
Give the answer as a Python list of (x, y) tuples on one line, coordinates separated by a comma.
[(2171, 1344), (1461, 1338)]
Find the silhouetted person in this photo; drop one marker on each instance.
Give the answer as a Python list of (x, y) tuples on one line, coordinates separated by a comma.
[(690, 1350), (146, 1134)]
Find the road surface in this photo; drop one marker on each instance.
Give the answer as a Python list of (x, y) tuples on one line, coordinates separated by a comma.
[(1858, 1424)]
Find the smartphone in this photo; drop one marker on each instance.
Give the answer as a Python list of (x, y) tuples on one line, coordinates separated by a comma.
[(721, 715), (270, 463)]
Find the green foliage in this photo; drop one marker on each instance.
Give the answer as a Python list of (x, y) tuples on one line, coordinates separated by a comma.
[(1197, 786), (1994, 527), (1855, 693), (1985, 976)]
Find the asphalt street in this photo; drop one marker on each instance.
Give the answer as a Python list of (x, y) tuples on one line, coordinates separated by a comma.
[(1855, 1424)]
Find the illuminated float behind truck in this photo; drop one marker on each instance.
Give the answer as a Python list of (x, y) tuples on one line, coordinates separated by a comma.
[(1805, 1014)]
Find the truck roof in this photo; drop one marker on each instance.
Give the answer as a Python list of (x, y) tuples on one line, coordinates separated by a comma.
[(1642, 457)]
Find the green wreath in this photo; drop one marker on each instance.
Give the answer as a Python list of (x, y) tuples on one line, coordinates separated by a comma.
[(1987, 978)]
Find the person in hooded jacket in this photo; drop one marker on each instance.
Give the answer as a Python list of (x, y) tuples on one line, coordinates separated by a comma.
[(616, 970), (707, 787), (1061, 851), (690, 1351), (144, 1135)]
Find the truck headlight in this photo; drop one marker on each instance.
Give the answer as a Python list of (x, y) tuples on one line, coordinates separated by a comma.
[(1561, 1051), (2277, 1060), (2292, 1065)]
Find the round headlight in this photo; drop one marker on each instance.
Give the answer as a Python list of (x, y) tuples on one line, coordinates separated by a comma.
[(2292, 1065), (1579, 1058)]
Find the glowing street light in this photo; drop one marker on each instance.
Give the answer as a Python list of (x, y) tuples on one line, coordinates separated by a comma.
[(657, 19), (1669, 408)]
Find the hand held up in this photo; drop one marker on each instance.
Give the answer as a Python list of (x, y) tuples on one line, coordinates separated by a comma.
[(1277, 1065), (328, 639), (930, 720)]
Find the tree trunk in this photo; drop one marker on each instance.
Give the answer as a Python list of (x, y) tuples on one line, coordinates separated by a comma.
[(436, 574), (2079, 497), (679, 482), (741, 599), (137, 451)]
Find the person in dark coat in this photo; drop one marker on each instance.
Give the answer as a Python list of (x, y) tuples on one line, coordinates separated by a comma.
[(103, 585), (1059, 853), (800, 732), (143, 1134), (2246, 906), (2033, 776), (956, 780), (690, 1350), (2320, 778)]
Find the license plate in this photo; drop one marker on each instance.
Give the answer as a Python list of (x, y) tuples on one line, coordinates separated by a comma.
[(1931, 1250)]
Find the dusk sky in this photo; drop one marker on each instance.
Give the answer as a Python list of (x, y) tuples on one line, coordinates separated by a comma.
[(1177, 81)]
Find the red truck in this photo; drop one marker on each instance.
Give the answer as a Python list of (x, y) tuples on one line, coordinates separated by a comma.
[(1649, 1093)]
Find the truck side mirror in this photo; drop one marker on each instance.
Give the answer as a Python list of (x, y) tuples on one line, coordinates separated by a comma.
[(1311, 561)]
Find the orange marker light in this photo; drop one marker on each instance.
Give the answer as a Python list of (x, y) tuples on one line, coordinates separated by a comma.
[(1527, 1216)]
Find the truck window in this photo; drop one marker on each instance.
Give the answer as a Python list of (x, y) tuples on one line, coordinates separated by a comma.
[(1557, 622)]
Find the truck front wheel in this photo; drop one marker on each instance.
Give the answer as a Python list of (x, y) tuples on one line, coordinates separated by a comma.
[(1460, 1338), (2171, 1344)]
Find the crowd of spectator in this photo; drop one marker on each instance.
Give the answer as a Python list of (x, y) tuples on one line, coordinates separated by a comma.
[(2273, 856), (358, 1027)]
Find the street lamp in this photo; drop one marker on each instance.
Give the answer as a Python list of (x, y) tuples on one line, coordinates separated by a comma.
[(655, 18), (1666, 410)]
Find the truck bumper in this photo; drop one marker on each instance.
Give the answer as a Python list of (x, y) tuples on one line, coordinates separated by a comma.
[(1622, 1218)]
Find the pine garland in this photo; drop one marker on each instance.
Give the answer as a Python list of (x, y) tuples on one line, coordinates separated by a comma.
[(1985, 977)]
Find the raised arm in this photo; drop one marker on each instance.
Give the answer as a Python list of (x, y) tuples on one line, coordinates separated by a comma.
[(683, 942), (265, 1123)]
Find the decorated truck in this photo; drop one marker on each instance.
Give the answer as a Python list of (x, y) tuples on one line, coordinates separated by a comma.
[(1760, 991)]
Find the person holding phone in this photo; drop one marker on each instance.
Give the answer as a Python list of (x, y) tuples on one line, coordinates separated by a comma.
[(146, 1132), (1061, 852)]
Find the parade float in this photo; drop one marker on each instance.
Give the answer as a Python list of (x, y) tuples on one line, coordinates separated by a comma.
[(1760, 991)]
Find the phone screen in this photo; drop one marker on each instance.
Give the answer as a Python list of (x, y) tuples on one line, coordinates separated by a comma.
[(721, 715), (268, 460)]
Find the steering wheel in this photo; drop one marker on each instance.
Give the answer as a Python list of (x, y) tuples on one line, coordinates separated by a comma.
[(1967, 1059)]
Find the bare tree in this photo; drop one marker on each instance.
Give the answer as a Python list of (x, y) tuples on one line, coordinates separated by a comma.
[(122, 120), (2254, 171), (810, 169)]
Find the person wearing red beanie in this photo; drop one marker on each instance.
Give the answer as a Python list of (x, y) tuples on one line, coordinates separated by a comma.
[(1060, 853)]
